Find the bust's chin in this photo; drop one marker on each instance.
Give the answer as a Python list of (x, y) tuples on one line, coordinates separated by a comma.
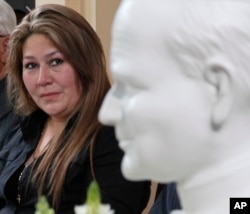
[(131, 169)]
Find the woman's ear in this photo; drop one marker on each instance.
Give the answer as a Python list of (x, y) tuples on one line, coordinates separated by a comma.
[(218, 73)]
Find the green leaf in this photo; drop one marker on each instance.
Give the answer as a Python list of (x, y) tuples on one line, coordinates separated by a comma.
[(93, 198), (42, 206)]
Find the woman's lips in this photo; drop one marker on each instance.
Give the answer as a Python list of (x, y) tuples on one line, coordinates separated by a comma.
[(50, 95)]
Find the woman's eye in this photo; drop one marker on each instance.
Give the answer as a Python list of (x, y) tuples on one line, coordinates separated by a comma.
[(55, 62), (30, 65)]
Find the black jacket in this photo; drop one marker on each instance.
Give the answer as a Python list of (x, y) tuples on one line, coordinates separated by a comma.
[(8, 120), (125, 197)]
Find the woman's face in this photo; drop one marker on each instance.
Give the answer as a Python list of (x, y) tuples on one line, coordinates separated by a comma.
[(49, 78)]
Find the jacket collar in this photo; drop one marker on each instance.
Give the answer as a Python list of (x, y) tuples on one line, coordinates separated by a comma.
[(32, 125)]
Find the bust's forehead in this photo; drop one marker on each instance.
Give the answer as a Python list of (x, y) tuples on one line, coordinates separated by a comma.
[(150, 26), (141, 14), (142, 11), (147, 18), (140, 22)]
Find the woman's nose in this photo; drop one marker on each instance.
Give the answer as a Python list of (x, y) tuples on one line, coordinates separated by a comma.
[(44, 76)]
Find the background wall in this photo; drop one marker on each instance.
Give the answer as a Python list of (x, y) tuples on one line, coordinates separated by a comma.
[(104, 18), (39, 2)]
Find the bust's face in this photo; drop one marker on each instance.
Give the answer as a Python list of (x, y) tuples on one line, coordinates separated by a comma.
[(160, 114)]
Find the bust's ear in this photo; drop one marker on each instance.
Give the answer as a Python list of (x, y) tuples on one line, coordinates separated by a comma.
[(218, 73)]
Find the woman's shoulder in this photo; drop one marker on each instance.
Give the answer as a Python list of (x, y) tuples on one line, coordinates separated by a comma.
[(106, 138), (106, 132)]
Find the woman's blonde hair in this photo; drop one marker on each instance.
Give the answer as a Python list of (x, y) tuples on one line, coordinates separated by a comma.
[(82, 48)]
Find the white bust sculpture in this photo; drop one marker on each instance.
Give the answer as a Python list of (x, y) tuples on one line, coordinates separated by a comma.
[(180, 99)]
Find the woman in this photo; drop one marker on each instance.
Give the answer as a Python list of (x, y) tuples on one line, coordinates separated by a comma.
[(57, 79)]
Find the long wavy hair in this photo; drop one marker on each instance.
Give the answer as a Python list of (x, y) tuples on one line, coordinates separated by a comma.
[(81, 46)]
